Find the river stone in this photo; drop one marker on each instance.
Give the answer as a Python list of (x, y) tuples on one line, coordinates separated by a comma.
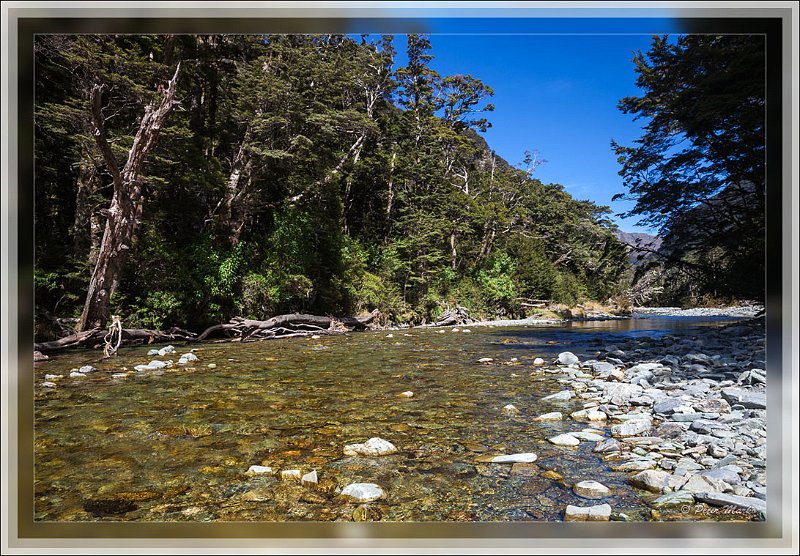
[(165, 350), (621, 392), (407, 394), (631, 428), (538, 361), (510, 409), (48, 384), (635, 465), (87, 369), (485, 360), (701, 483), (679, 497), (667, 405), (591, 489), (716, 451), (588, 436), (53, 377), (564, 440), (258, 469), (564, 395), (601, 512), (601, 367), (590, 414), (373, 447), (712, 405), (553, 416), (567, 358), (747, 503), (515, 458), (726, 473), (310, 478), (363, 492), (74, 374), (670, 430), (651, 480), (746, 398), (607, 445)]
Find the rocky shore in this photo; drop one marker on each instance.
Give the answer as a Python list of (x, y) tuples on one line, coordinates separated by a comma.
[(687, 419)]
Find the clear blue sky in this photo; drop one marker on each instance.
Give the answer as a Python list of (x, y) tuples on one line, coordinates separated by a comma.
[(558, 95)]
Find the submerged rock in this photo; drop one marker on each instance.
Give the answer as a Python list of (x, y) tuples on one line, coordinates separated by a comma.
[(601, 512), (591, 489), (373, 447), (363, 492), (259, 469), (515, 458), (510, 409), (562, 396), (566, 439), (552, 416), (679, 497), (87, 369)]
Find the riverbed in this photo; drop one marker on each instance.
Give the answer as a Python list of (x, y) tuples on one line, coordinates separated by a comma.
[(179, 443)]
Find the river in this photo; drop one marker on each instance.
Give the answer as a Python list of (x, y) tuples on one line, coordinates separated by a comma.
[(176, 444)]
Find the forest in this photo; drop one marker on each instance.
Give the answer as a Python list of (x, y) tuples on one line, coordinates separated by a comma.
[(184, 180)]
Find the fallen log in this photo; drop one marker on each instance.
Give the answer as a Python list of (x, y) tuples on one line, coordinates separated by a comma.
[(291, 324), (130, 336), (457, 316)]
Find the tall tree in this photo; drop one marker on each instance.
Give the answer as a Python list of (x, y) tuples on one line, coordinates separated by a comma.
[(697, 172), (126, 203)]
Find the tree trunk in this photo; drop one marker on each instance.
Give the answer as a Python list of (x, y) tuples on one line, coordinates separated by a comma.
[(231, 212), (126, 202)]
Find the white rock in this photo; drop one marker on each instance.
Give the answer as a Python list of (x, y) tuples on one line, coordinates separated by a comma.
[(510, 409), (363, 492), (564, 395), (212, 365), (373, 447), (589, 415), (119, 375), (189, 356), (87, 369), (538, 361), (53, 377), (552, 416), (601, 512), (631, 428), (152, 352), (564, 440), (165, 350), (259, 469), (466, 330), (76, 375), (407, 394), (48, 384), (390, 335), (156, 364), (315, 337), (515, 458), (291, 475), (485, 360), (591, 489), (589, 436), (567, 358), (310, 478)]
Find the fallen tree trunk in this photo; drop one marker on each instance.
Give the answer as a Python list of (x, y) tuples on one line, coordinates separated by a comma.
[(288, 324), (457, 316), (130, 336)]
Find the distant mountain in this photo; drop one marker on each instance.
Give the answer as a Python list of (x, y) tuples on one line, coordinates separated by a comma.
[(643, 245)]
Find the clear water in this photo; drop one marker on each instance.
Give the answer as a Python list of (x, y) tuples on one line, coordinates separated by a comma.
[(175, 445)]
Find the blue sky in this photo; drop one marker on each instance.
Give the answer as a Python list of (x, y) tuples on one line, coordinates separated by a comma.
[(558, 95)]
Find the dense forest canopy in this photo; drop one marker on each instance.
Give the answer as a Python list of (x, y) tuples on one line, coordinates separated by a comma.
[(185, 179)]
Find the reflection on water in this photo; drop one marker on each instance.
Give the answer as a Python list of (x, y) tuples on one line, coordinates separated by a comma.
[(176, 444)]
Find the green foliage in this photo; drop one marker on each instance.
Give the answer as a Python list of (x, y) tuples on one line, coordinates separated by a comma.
[(301, 174)]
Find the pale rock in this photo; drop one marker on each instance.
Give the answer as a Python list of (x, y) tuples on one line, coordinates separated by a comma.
[(515, 458), (588, 436), (700, 483), (679, 497), (538, 362), (310, 478), (485, 360), (567, 358), (48, 384), (53, 377), (601, 512), (259, 469), (631, 428), (651, 480), (552, 416), (373, 447), (363, 492), (591, 489), (749, 504), (291, 475), (564, 395), (510, 409), (73, 374), (87, 369), (407, 394), (564, 440)]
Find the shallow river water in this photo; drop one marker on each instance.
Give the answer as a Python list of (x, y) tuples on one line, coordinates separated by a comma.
[(175, 445)]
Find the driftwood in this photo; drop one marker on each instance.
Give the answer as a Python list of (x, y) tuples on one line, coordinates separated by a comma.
[(129, 337), (457, 316), (294, 324)]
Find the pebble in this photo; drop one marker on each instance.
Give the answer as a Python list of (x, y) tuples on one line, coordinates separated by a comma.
[(87, 369), (212, 365), (407, 394), (564, 440), (373, 447), (591, 489), (53, 377), (259, 469), (510, 409), (515, 458), (485, 360), (601, 512), (552, 416), (363, 492), (538, 362), (48, 384), (74, 374), (567, 358), (310, 478), (564, 395)]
